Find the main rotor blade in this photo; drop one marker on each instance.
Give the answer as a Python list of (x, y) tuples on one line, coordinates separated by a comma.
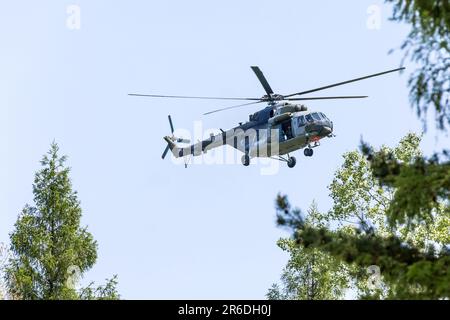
[(263, 80), (188, 97), (326, 98), (165, 152), (170, 122), (232, 107), (344, 82)]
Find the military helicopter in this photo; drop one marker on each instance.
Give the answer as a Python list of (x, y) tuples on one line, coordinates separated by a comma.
[(279, 129)]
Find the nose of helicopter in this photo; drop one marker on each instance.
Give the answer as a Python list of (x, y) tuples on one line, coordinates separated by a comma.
[(325, 131), (319, 126), (326, 128)]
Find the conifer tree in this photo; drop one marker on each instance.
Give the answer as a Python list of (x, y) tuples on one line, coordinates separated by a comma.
[(50, 249)]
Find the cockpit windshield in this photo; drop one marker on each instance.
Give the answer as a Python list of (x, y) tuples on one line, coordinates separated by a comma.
[(311, 117)]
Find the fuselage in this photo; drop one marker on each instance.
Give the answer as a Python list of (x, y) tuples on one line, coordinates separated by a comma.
[(295, 129), (275, 130)]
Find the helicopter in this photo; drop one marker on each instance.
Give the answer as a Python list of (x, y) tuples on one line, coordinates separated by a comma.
[(275, 131)]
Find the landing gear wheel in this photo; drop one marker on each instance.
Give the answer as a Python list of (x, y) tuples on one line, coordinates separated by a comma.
[(245, 160), (308, 152), (291, 162)]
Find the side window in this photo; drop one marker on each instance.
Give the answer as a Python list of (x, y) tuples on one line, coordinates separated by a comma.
[(301, 121), (316, 116), (309, 118)]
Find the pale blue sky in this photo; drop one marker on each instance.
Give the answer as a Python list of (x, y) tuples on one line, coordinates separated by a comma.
[(208, 231)]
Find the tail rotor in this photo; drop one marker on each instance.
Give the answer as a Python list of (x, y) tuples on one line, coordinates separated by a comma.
[(173, 138)]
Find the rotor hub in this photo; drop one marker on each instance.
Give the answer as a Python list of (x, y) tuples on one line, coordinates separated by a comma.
[(272, 97)]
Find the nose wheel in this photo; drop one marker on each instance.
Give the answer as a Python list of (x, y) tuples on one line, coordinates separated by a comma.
[(308, 152), (291, 161)]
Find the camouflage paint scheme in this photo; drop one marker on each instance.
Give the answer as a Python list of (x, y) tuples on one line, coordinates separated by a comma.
[(253, 136)]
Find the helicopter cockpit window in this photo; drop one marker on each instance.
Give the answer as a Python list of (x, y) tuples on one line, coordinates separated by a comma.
[(316, 116), (301, 121), (324, 116), (309, 118)]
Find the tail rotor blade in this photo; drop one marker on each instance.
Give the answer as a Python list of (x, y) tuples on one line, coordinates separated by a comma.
[(171, 124), (165, 152)]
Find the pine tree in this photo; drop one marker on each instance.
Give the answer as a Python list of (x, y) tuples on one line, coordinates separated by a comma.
[(49, 248)]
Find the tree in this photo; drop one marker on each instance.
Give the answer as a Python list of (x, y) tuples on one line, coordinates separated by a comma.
[(309, 274), (360, 198), (106, 292), (392, 206), (427, 45), (3, 251), (392, 209), (49, 248)]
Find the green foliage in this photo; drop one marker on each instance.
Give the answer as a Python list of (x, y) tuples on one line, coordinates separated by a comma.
[(391, 206), (356, 194), (411, 273), (309, 274), (287, 217), (382, 221), (364, 192), (106, 292), (421, 185), (427, 45), (48, 240)]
